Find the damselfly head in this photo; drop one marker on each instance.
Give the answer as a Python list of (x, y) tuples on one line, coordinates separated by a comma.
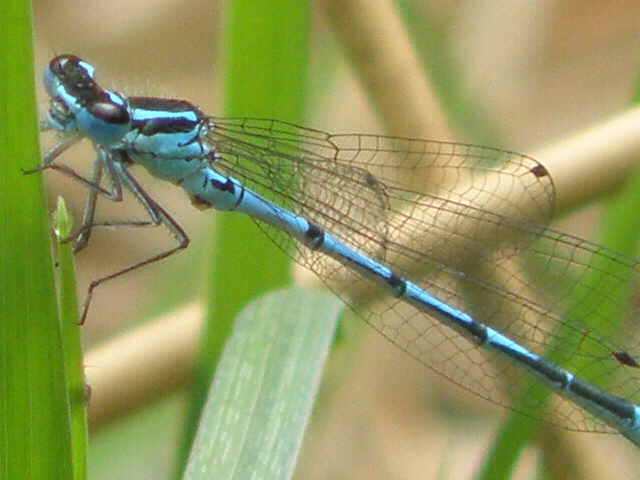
[(79, 103)]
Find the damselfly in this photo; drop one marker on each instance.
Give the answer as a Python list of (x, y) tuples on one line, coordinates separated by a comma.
[(481, 291)]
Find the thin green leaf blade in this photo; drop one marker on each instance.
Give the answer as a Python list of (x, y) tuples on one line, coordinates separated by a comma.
[(34, 409), (71, 339), (264, 390)]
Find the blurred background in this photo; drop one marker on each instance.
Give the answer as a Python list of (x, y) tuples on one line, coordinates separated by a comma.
[(517, 75)]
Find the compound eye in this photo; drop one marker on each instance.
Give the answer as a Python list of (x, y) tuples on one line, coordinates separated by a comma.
[(71, 72), (109, 112), (59, 63)]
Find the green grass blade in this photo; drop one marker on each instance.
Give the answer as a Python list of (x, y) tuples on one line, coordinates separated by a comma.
[(264, 390), (71, 340), (34, 409)]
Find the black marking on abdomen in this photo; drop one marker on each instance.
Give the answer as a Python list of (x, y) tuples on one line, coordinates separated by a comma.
[(621, 407), (397, 284), (315, 235), (479, 332), (227, 186)]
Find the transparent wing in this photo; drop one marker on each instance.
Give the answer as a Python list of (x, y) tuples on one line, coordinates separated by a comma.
[(468, 224)]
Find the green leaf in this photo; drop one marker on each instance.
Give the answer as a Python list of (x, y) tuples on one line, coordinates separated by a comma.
[(71, 338), (34, 408), (259, 405)]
